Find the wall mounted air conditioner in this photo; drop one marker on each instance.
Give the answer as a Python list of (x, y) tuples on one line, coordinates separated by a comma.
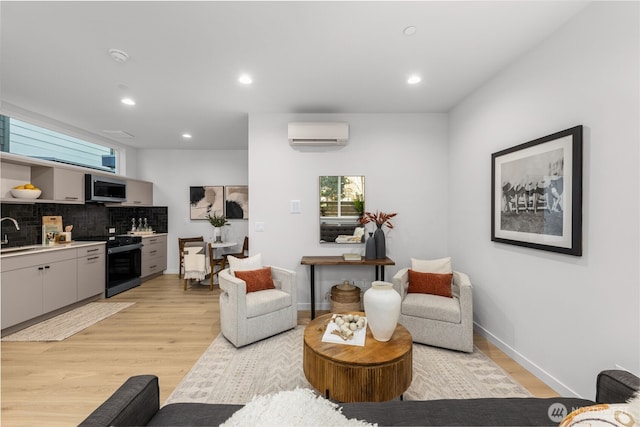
[(334, 133)]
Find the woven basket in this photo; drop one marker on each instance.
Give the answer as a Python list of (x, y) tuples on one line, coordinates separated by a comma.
[(345, 297)]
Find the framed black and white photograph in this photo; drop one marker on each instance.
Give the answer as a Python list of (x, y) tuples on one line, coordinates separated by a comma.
[(237, 202), (536, 193), (205, 201)]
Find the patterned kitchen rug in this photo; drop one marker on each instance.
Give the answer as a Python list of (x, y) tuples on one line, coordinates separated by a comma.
[(224, 374), (67, 324)]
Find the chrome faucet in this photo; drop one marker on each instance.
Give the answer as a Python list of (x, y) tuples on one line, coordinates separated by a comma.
[(6, 240)]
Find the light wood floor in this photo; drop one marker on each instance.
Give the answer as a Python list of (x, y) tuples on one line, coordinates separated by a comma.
[(164, 333)]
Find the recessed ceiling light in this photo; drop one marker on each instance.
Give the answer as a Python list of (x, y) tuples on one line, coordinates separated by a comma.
[(409, 31), (186, 135), (245, 79), (414, 79), (128, 101)]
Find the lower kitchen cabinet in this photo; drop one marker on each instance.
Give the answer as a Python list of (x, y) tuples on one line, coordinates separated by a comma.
[(154, 255), (39, 283), (59, 284), (91, 271), (21, 295)]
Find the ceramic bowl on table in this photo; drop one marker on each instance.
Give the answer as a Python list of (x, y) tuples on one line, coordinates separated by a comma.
[(25, 194)]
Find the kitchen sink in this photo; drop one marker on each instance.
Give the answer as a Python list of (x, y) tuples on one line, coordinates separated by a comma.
[(18, 249)]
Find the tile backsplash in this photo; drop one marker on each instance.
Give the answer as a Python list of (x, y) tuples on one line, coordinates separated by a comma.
[(87, 220)]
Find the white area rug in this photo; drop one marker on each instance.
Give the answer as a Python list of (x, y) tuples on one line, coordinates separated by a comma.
[(225, 374), (66, 324)]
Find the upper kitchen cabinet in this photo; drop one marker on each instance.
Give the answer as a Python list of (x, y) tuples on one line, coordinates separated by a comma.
[(139, 193), (58, 184)]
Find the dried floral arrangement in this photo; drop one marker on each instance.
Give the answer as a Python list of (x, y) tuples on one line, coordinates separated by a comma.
[(380, 218)]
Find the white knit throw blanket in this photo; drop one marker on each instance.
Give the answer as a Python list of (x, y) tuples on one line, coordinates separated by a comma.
[(195, 263), (299, 407)]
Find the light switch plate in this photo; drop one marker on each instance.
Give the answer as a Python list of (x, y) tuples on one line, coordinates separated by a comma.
[(259, 226), (294, 207)]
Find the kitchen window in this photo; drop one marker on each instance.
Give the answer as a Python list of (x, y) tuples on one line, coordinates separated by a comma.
[(26, 139)]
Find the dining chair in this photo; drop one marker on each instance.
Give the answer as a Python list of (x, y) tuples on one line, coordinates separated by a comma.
[(181, 242), (245, 249)]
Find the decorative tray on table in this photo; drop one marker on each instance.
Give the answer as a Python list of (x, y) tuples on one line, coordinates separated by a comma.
[(350, 329)]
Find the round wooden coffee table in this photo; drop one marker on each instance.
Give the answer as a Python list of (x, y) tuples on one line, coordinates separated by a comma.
[(377, 372)]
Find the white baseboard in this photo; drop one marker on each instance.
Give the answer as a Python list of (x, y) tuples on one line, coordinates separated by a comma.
[(529, 365), (306, 306)]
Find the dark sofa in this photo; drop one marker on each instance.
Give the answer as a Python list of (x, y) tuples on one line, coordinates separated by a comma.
[(137, 402), (330, 232)]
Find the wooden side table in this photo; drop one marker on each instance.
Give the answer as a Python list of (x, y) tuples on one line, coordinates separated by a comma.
[(377, 372)]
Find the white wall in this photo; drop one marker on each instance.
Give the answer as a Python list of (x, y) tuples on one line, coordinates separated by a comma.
[(174, 171), (565, 318), (403, 158)]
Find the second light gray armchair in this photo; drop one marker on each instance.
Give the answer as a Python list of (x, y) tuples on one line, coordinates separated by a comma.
[(437, 320)]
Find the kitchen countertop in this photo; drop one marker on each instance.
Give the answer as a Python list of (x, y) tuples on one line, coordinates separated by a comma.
[(35, 249)]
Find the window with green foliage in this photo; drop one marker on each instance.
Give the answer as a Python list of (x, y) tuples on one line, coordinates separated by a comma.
[(26, 139)]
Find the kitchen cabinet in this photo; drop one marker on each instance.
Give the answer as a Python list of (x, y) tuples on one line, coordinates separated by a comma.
[(139, 193), (35, 284), (59, 287), (58, 184), (21, 295), (154, 255), (91, 271)]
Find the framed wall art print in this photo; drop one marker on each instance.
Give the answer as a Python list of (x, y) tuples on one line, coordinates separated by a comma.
[(236, 201), (536, 193), (205, 201)]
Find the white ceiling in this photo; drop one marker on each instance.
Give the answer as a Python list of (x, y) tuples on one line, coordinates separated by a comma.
[(304, 57)]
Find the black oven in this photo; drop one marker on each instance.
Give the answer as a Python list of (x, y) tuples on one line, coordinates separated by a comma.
[(124, 266)]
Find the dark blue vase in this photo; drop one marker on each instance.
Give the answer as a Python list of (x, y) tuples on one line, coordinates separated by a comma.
[(381, 245), (370, 248)]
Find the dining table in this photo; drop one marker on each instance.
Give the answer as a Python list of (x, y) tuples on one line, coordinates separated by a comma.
[(217, 247)]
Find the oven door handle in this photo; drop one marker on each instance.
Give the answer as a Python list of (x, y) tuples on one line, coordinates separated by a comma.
[(127, 248)]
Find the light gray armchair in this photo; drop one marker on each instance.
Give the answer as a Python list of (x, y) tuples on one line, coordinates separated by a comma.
[(249, 317), (436, 320)]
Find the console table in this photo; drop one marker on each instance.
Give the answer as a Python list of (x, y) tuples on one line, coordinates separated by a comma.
[(312, 261)]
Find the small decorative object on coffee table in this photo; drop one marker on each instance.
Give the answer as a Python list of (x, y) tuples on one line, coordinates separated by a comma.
[(348, 327), (382, 306), (375, 372)]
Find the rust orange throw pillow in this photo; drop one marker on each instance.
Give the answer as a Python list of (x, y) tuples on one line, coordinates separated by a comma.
[(256, 280), (430, 283)]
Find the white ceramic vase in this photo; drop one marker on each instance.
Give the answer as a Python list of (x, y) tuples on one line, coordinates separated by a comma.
[(217, 234), (382, 308)]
